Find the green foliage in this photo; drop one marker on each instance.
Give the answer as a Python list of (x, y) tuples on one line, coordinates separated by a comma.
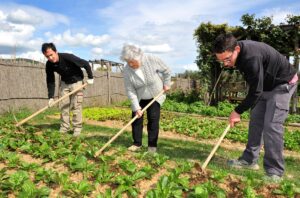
[(79, 189), (128, 166), (126, 103), (250, 185), (249, 192), (102, 114), (79, 163), (172, 185), (207, 189), (155, 159), (288, 189), (293, 118), (223, 109), (102, 174), (15, 181), (292, 140), (185, 97), (281, 37), (29, 189), (219, 175)]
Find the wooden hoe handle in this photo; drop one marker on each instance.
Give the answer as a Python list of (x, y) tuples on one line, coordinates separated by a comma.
[(46, 107), (215, 147)]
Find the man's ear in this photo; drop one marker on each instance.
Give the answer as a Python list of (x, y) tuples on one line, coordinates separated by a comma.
[(237, 48)]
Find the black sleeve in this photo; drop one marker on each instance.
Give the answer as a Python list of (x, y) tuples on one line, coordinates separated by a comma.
[(254, 76), (80, 63), (50, 79)]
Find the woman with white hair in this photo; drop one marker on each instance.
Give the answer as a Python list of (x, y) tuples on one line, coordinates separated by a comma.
[(145, 76)]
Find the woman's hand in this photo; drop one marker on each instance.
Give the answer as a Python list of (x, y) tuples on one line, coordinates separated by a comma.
[(139, 113), (166, 88)]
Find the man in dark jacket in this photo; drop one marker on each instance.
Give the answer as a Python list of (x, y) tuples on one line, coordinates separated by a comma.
[(272, 80), (68, 66)]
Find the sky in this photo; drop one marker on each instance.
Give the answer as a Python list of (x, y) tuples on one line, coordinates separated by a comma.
[(98, 29)]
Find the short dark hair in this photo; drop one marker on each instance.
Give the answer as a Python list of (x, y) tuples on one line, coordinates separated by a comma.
[(224, 42), (46, 46)]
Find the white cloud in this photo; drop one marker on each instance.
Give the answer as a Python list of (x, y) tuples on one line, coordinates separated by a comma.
[(2, 16), (77, 39), (278, 14), (163, 48), (18, 13), (17, 34), (22, 17), (19, 25), (96, 52), (34, 55)]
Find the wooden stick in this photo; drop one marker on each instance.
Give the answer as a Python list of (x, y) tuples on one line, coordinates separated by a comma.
[(129, 123), (215, 148), (46, 107), (212, 92)]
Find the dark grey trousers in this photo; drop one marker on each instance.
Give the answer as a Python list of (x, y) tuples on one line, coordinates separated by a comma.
[(266, 127)]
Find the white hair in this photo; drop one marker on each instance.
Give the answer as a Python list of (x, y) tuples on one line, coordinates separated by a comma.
[(131, 52)]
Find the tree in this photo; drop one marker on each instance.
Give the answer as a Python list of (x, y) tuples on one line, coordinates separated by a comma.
[(284, 38), (209, 67)]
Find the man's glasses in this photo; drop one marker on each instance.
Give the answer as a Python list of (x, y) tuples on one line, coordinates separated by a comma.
[(227, 59)]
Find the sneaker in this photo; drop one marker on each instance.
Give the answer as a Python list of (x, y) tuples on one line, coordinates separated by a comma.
[(134, 148), (152, 149), (63, 130), (272, 178), (76, 133), (240, 163)]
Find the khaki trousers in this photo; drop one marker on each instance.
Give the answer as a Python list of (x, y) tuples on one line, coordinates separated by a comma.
[(72, 103)]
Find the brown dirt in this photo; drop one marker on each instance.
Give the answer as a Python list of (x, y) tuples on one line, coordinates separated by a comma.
[(2, 165), (60, 168), (29, 159), (55, 192), (76, 177)]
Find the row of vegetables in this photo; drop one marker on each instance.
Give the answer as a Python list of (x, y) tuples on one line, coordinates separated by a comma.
[(61, 165)]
